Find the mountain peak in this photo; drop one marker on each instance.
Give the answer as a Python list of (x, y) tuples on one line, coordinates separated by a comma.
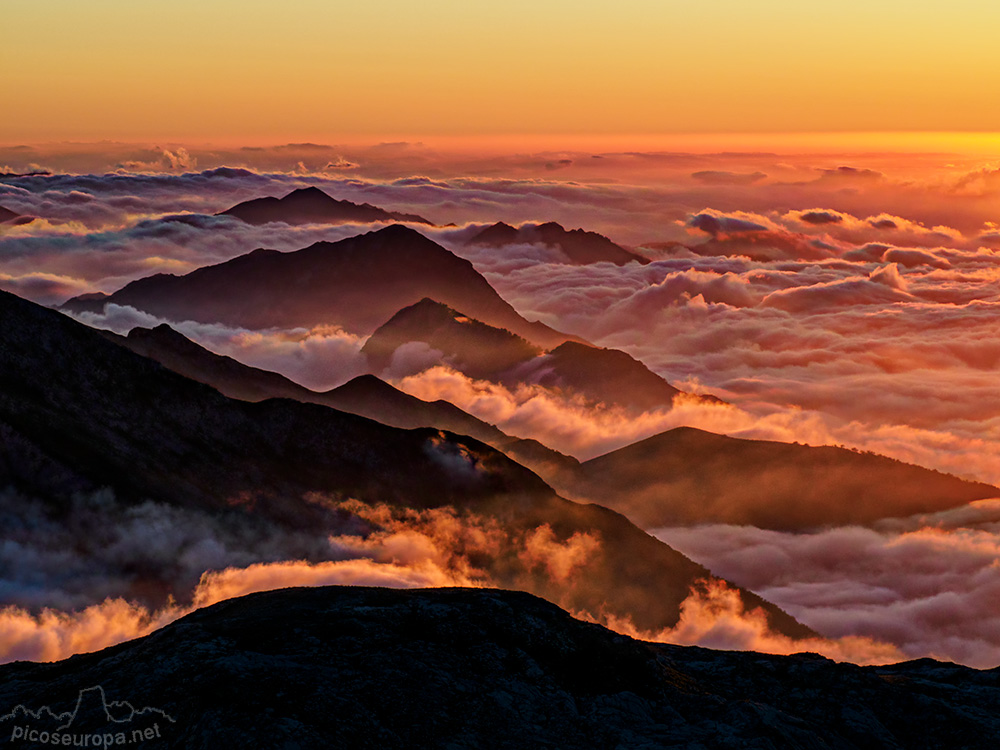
[(400, 231), (481, 350), (579, 246), (311, 205), (311, 190), (163, 333), (357, 283)]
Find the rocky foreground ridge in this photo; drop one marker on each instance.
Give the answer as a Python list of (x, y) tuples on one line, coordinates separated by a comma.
[(353, 667)]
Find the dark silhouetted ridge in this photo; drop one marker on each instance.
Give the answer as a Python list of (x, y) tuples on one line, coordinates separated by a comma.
[(357, 283), (579, 246), (365, 395), (686, 476), (79, 412), (354, 667), (105, 416), (606, 376), (312, 206), (479, 350)]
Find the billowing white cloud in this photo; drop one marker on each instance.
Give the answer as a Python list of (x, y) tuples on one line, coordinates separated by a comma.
[(928, 585)]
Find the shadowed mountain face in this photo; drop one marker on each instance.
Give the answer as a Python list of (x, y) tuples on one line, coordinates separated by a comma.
[(579, 246), (602, 375), (359, 667), (312, 206), (106, 416), (481, 351), (10, 218), (365, 395), (477, 349), (357, 283), (687, 476), (79, 412)]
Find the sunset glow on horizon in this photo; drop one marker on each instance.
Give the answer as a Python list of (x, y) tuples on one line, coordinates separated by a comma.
[(111, 69)]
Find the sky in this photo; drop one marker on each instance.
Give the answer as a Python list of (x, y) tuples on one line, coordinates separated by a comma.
[(305, 69)]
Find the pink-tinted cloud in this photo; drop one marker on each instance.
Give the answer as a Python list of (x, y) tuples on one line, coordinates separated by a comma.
[(928, 585)]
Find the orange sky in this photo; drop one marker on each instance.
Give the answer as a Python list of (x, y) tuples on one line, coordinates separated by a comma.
[(301, 69)]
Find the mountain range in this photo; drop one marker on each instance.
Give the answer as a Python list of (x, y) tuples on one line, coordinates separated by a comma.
[(689, 476), (357, 283), (365, 395), (579, 246), (79, 412), (360, 667), (679, 477), (312, 206)]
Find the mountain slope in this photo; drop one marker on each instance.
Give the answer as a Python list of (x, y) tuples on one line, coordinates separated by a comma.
[(361, 667), (606, 376), (111, 417), (477, 349), (78, 412), (357, 283), (687, 476), (365, 395), (312, 206), (10, 218), (579, 246), (481, 351)]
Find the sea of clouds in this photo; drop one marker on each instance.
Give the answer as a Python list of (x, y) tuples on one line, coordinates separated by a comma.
[(839, 298)]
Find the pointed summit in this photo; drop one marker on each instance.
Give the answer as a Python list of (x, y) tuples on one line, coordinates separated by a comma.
[(481, 351)]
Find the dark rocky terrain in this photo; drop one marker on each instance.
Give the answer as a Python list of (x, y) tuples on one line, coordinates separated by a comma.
[(686, 476), (579, 246), (79, 412), (312, 206), (357, 283), (470, 668)]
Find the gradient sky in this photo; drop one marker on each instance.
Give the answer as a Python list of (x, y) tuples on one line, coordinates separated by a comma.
[(267, 71)]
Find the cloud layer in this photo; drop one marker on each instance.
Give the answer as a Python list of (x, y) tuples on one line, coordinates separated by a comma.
[(928, 585)]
